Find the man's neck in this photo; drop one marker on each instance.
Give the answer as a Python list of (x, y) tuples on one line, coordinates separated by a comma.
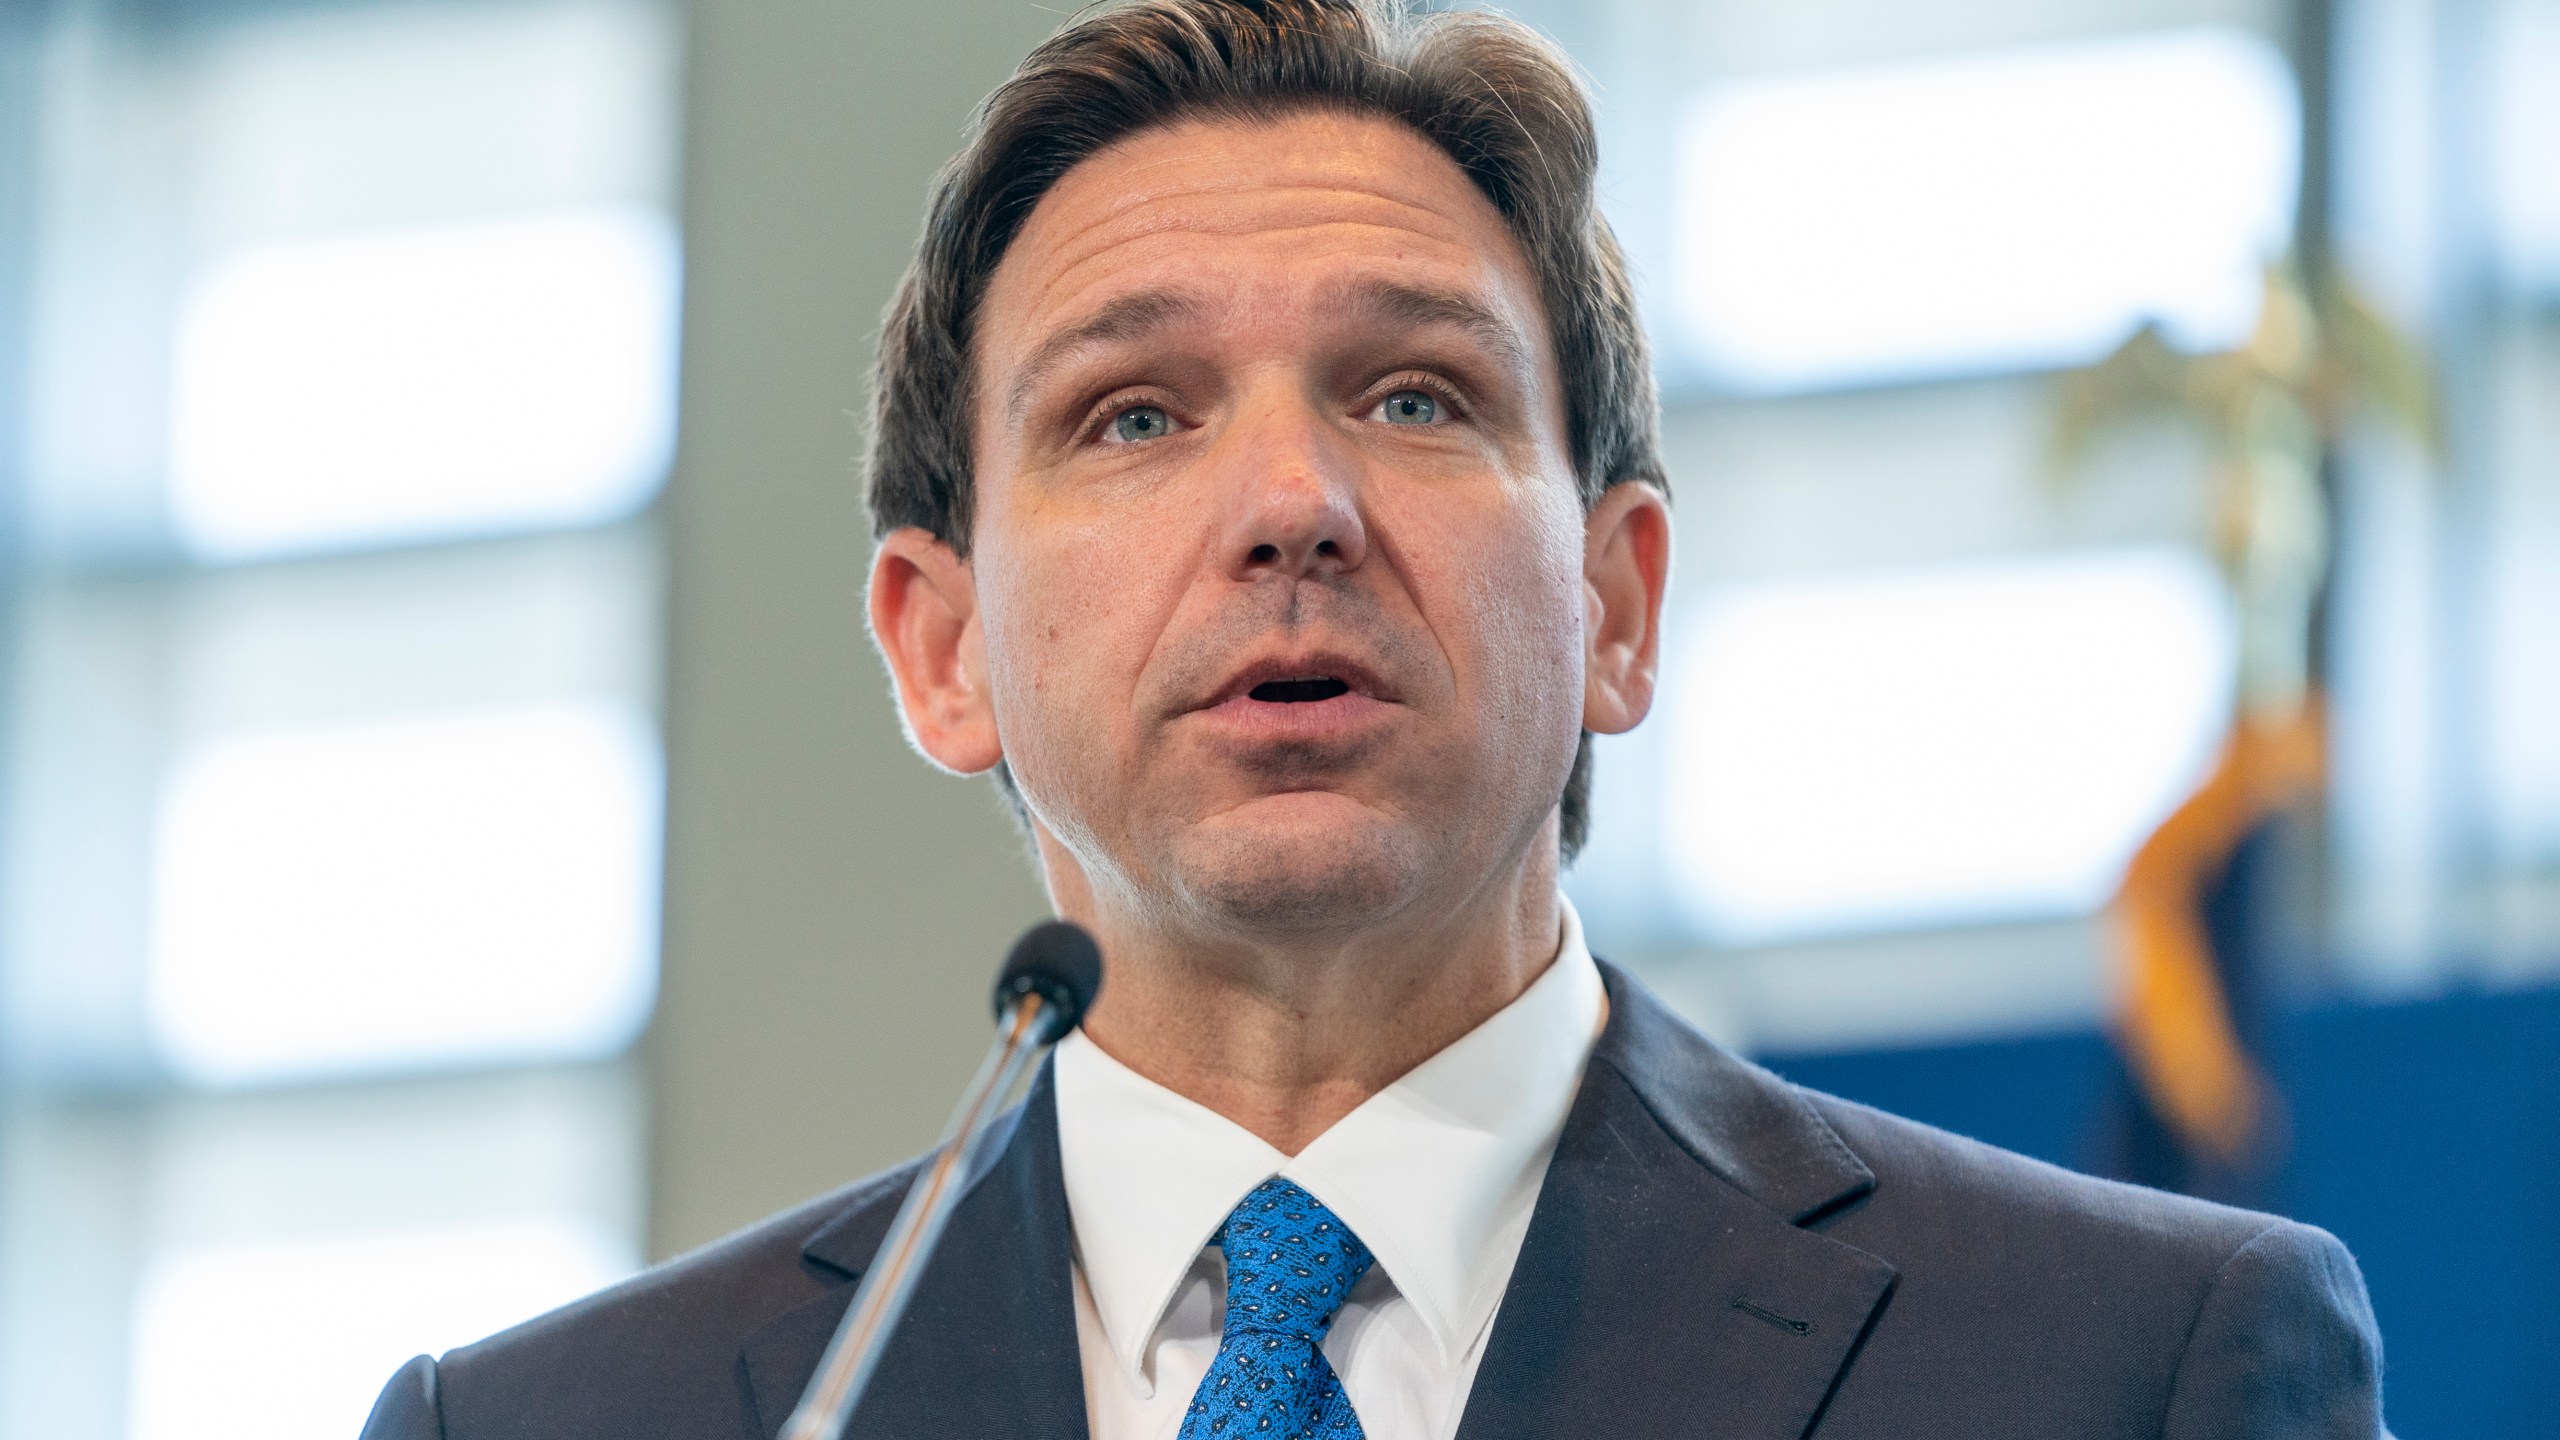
[(1286, 1036)]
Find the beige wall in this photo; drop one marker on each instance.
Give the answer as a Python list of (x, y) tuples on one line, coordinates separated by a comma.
[(834, 910)]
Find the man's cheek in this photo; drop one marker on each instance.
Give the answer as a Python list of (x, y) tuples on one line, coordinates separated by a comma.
[(1068, 692), (1521, 594)]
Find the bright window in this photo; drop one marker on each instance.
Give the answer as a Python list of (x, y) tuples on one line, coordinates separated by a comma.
[(2526, 182), (421, 384), (1978, 743), (291, 1340), (480, 887), (1990, 213)]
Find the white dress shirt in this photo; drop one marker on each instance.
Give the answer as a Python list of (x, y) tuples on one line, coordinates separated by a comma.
[(1437, 1174)]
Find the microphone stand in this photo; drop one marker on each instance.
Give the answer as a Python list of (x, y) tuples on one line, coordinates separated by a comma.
[(1038, 1001)]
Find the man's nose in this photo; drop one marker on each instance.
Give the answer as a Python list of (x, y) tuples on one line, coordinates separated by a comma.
[(1294, 500)]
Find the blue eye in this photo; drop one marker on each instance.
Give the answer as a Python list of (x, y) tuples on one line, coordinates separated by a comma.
[(1140, 422), (1411, 407)]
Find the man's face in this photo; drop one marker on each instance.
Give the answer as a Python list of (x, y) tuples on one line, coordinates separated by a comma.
[(1278, 560)]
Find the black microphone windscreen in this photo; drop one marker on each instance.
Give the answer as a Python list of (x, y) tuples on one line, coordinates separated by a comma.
[(1060, 963)]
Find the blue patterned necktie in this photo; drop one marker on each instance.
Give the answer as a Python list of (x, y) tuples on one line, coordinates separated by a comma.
[(1290, 1262)]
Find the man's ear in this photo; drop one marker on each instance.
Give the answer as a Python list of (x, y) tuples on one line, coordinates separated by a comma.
[(1626, 569), (924, 616)]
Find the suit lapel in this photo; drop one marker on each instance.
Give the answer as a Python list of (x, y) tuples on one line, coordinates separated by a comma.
[(988, 1344), (1668, 1285)]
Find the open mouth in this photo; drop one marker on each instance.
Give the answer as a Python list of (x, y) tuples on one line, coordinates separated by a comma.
[(1300, 701), (1298, 692)]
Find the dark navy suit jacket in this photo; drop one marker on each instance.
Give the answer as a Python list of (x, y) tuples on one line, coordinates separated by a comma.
[(1716, 1253)]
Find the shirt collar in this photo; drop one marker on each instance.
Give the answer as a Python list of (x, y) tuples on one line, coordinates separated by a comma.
[(1437, 1173)]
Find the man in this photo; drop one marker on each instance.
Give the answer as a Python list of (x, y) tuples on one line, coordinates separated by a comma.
[(1265, 475)]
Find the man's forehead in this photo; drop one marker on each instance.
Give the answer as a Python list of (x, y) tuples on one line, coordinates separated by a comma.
[(1335, 211)]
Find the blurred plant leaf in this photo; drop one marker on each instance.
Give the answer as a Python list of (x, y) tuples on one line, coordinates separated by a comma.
[(2372, 363), (2333, 356)]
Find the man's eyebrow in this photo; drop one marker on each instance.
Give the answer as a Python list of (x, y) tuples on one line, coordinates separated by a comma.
[(1125, 318), (1417, 306), (1388, 303)]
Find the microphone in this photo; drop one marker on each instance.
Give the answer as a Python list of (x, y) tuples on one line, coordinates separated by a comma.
[(1048, 983)]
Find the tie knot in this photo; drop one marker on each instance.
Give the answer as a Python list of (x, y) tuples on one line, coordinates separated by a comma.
[(1290, 1262)]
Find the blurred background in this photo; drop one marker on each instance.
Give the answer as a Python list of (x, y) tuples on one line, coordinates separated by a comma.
[(455, 846)]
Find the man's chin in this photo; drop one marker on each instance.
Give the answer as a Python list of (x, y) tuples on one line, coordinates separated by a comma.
[(1304, 862)]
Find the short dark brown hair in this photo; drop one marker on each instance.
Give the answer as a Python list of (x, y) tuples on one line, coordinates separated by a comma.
[(1499, 100)]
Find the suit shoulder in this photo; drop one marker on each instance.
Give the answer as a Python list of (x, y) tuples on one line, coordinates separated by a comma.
[(2095, 1300), (664, 1342), (1933, 1180), (736, 1279), (2285, 1345)]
